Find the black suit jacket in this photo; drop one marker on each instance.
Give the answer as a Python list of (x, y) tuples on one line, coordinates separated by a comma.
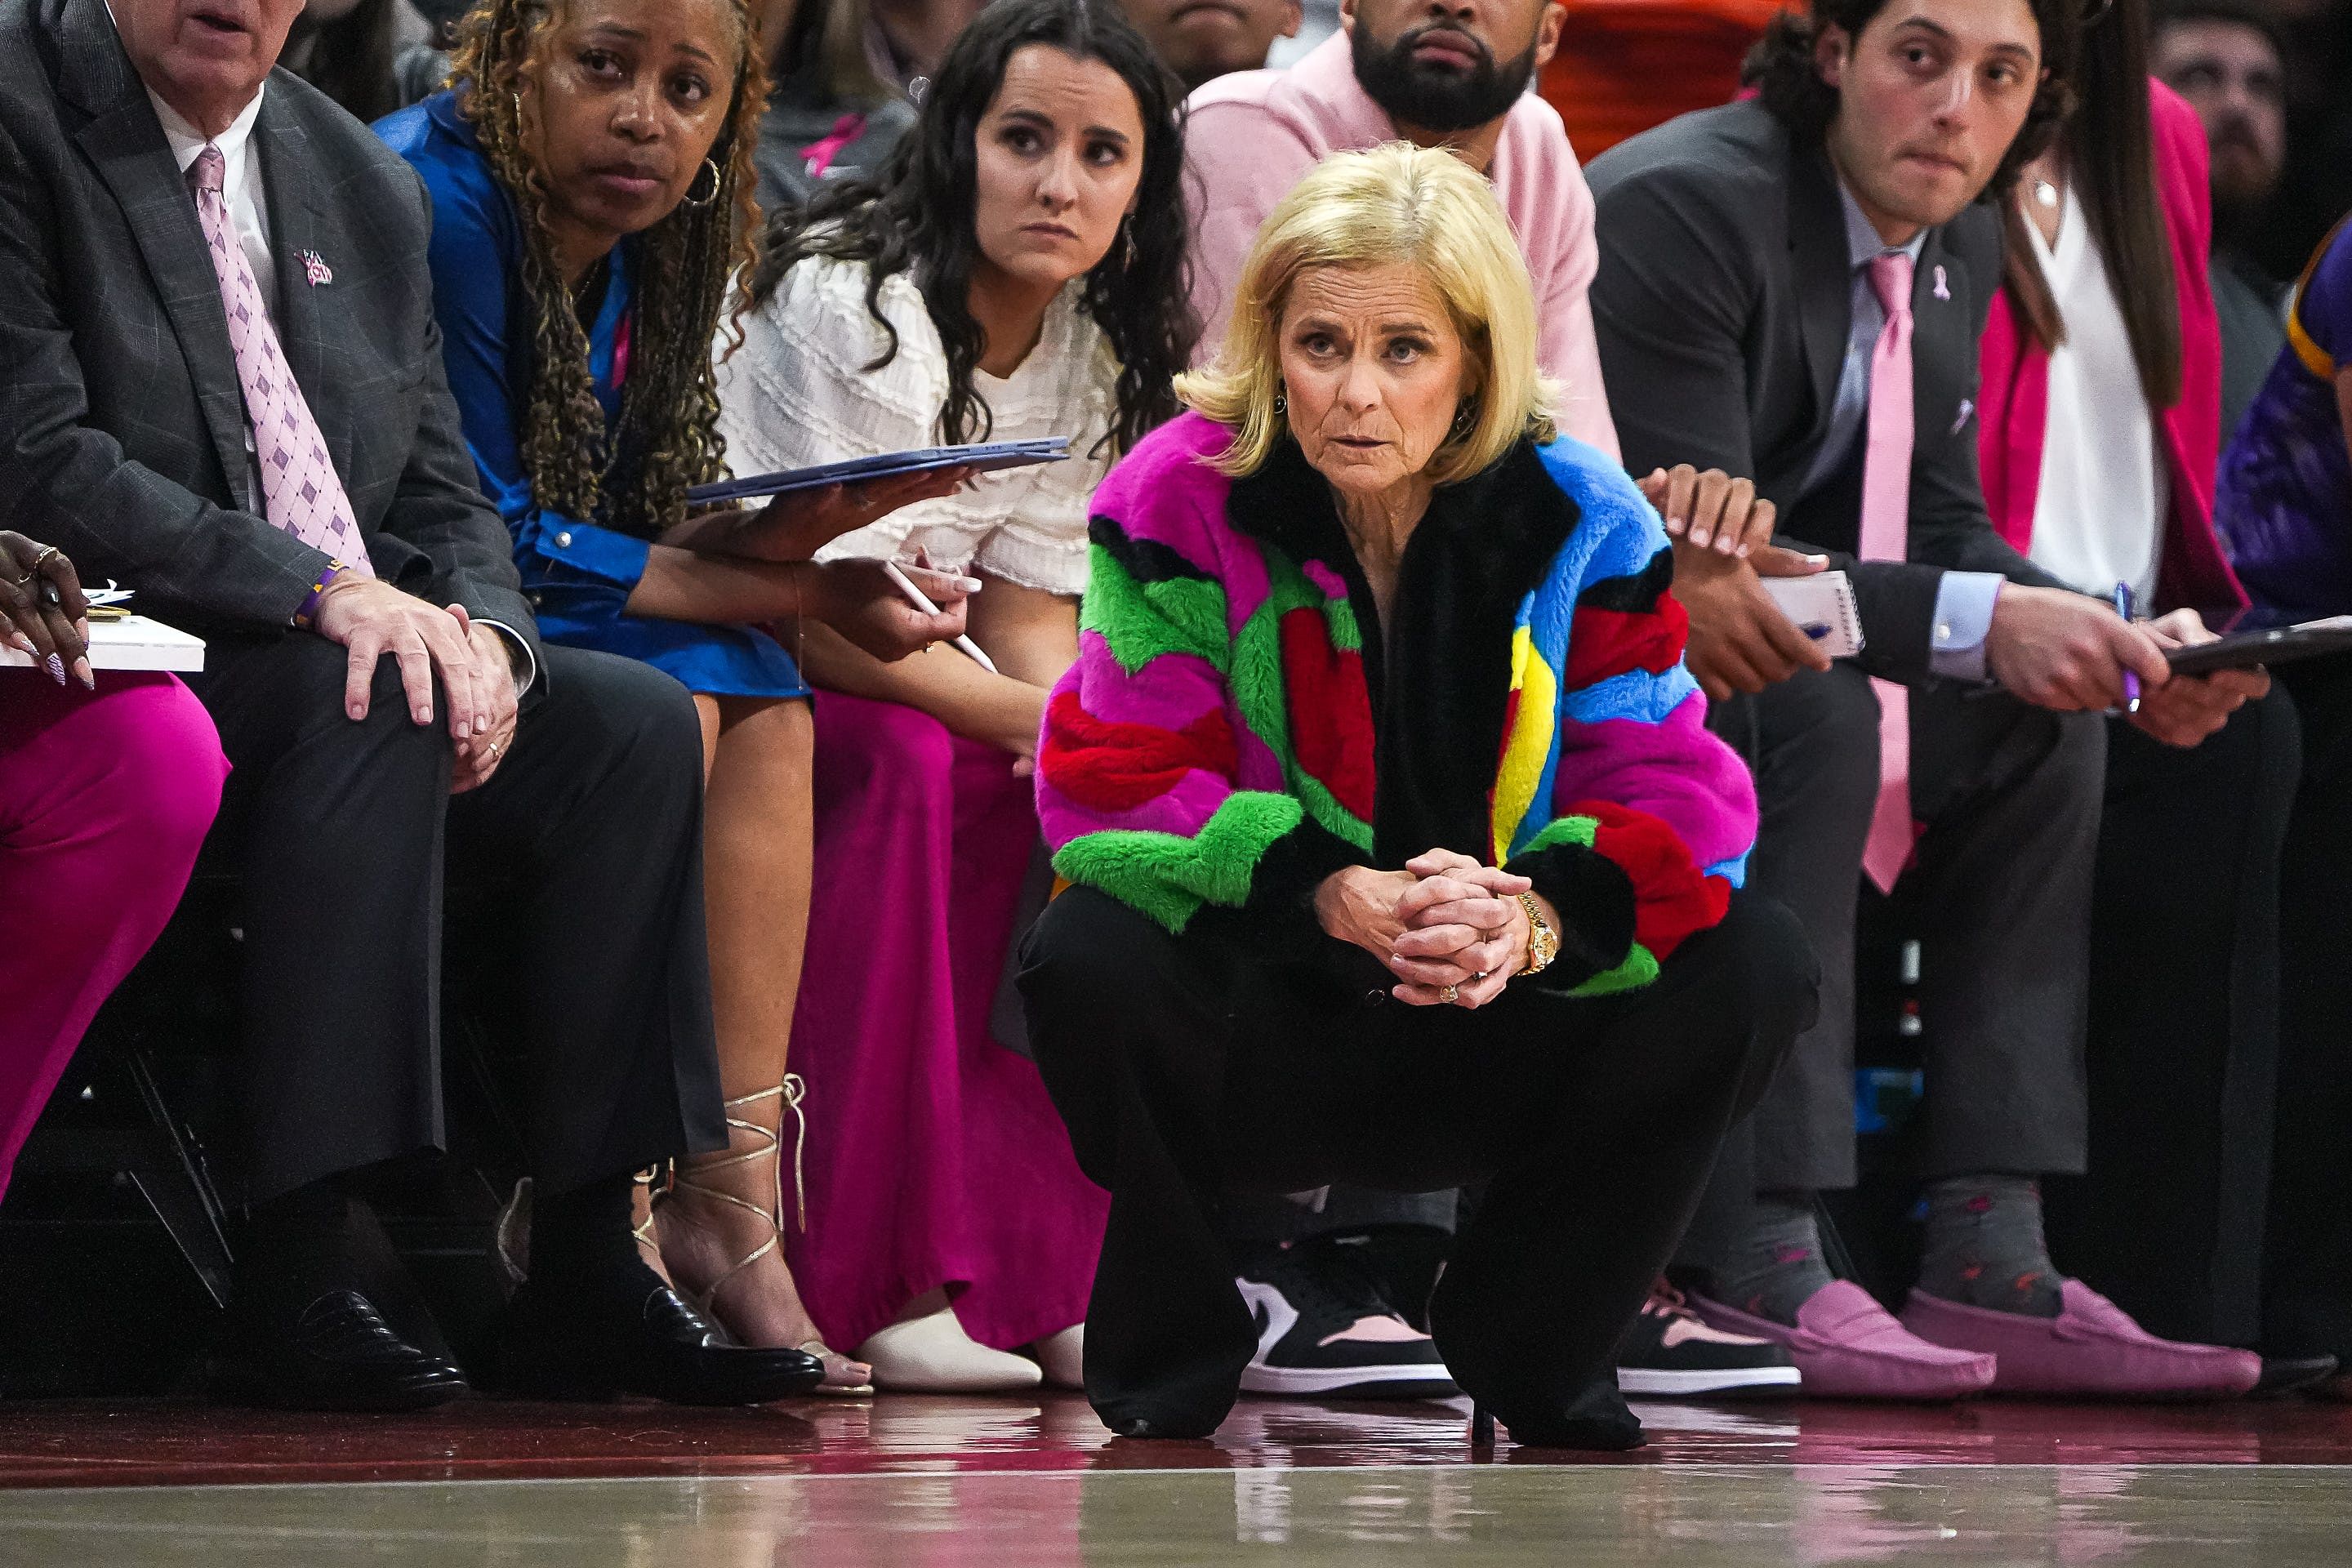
[(121, 418), (1723, 303)]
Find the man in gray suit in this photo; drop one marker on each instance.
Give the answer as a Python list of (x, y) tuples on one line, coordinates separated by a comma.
[(1774, 276), (221, 384)]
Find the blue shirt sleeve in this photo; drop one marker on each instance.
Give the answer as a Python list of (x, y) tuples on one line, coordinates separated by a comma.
[(473, 251), (1964, 602)]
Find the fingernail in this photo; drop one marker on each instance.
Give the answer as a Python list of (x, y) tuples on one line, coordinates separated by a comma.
[(20, 642), (357, 711), (82, 673), (57, 668), (464, 728)]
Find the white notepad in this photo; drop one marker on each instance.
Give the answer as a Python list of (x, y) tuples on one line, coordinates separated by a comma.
[(134, 642), (1822, 607)]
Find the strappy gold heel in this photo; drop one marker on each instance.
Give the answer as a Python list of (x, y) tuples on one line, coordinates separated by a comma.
[(791, 1092)]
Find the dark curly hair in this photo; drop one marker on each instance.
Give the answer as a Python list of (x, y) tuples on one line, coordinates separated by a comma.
[(916, 216), (1782, 70), (684, 268)]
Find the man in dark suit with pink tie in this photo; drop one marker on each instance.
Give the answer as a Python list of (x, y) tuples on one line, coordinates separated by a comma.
[(1792, 287), (221, 384)]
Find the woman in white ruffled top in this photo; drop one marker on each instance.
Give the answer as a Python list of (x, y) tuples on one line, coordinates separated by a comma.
[(1013, 272)]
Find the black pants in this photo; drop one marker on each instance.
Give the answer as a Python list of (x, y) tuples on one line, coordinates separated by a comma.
[(2307, 1302), (342, 831), (1186, 1069), (2182, 1050), (2010, 794)]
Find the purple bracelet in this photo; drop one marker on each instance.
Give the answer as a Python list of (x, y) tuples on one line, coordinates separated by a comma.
[(309, 608)]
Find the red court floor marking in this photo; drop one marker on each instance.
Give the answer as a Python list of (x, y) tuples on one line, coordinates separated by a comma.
[(46, 1444)]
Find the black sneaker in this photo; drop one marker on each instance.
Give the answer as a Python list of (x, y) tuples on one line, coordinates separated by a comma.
[(1324, 1330), (1668, 1352)]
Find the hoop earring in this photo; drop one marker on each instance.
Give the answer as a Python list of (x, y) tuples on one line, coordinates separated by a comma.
[(709, 167), (1281, 403), (1463, 418)]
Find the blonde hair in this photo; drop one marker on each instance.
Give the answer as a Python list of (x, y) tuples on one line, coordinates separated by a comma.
[(1395, 203)]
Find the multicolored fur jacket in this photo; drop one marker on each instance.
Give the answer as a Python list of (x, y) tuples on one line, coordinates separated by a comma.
[(1229, 734)]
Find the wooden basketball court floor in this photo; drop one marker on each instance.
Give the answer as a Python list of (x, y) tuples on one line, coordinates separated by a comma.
[(1037, 1483)]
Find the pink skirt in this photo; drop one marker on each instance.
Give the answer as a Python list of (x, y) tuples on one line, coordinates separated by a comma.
[(934, 1156)]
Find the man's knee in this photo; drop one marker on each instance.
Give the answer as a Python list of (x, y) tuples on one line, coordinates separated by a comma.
[(1756, 964), (620, 716), (1816, 743)]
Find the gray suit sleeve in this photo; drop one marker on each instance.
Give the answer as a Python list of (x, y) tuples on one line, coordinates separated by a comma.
[(68, 484), (1670, 304)]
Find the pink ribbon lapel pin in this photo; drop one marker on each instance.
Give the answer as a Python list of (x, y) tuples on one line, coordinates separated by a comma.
[(315, 269), (1943, 286)]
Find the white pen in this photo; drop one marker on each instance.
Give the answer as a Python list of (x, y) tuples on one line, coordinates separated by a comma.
[(922, 602)]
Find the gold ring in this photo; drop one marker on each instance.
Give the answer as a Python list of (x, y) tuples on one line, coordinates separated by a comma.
[(1449, 993), (43, 558), (492, 750)]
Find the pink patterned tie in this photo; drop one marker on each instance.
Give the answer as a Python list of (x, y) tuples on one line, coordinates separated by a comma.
[(300, 493), (1886, 536)]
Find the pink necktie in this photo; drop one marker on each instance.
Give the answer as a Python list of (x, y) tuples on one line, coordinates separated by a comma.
[(300, 491), (1886, 536)]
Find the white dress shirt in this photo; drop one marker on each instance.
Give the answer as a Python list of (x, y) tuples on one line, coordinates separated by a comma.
[(2099, 509)]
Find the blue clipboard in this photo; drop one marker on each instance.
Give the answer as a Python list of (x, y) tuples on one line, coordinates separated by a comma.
[(985, 456)]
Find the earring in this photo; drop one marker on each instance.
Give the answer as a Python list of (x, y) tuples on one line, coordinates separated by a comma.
[(1127, 243), (709, 167), (1281, 403), (1464, 418)]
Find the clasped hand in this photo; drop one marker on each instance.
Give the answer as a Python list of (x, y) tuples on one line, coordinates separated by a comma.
[(1443, 920), (371, 619)]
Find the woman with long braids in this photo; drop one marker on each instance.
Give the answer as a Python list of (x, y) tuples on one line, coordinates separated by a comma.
[(1013, 270), (2102, 367), (590, 177)]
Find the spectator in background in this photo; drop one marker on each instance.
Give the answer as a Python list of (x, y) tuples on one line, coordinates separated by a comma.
[(906, 40), (1624, 66), (2286, 508), (1013, 271), (830, 115), (107, 784), (2314, 185), (1201, 40), (2222, 55), (1795, 288), (354, 51), (2101, 367)]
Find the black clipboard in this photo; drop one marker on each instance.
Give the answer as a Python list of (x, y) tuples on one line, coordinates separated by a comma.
[(983, 455), (2271, 644)]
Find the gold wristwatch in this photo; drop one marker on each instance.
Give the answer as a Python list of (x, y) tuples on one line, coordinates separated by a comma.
[(1543, 942)]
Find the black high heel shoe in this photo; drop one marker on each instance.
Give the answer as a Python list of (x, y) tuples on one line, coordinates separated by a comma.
[(577, 1346)]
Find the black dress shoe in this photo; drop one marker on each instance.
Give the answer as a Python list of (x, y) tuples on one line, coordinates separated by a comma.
[(2290, 1374), (1597, 1420), (335, 1353), (558, 1344)]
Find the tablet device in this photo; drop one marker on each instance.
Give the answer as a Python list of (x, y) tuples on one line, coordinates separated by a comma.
[(2272, 645), (985, 456)]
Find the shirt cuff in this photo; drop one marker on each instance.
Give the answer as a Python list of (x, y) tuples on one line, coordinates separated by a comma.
[(1964, 602), (603, 553), (515, 639)]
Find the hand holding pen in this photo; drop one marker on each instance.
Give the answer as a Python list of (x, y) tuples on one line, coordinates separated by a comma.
[(2131, 678)]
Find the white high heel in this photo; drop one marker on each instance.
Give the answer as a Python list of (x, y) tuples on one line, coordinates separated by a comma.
[(932, 1355)]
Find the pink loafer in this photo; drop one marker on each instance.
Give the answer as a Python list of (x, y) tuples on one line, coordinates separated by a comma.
[(1847, 1346), (2092, 1348)]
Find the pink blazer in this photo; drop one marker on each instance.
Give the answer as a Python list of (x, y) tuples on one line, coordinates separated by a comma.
[(2014, 401)]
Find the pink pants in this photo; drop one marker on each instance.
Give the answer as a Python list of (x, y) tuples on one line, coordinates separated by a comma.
[(934, 1156), (104, 801)]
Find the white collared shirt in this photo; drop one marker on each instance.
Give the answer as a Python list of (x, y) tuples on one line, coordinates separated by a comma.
[(240, 183)]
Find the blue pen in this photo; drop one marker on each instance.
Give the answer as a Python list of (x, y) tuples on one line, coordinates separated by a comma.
[(2131, 681)]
